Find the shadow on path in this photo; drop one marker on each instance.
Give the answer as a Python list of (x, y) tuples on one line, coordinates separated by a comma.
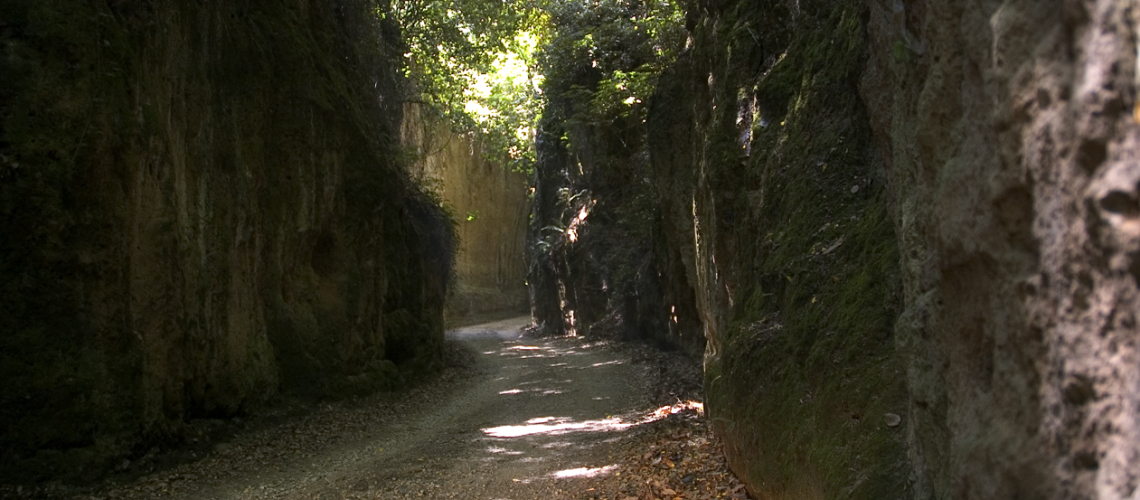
[(534, 419)]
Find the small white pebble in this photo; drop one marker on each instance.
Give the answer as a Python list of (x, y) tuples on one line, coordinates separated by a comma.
[(892, 419)]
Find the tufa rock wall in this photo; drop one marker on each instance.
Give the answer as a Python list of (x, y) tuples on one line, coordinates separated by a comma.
[(924, 209), (775, 202), (599, 260), (1005, 158), (906, 207), (747, 206), (201, 207), (1012, 138), (593, 235), (490, 205)]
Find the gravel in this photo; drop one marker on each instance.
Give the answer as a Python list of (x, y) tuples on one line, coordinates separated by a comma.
[(514, 418)]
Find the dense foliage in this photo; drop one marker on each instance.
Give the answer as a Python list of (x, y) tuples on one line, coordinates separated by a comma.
[(472, 62), (596, 225), (482, 64), (609, 53)]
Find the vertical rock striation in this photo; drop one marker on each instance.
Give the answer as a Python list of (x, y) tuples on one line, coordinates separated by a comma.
[(751, 188), (598, 262), (491, 206), (776, 202), (924, 209), (200, 207)]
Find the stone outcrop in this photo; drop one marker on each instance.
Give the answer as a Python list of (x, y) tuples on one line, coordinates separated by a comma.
[(201, 207), (774, 199), (489, 203), (1012, 141), (909, 232), (599, 264), (746, 205)]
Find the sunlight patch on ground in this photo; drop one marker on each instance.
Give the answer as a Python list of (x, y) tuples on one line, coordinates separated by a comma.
[(524, 348), (539, 391), (528, 351), (584, 472), (665, 411), (558, 427)]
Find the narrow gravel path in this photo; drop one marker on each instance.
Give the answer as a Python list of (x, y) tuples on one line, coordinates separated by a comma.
[(535, 419)]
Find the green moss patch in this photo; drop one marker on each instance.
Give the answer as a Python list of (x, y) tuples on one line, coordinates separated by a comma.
[(807, 369)]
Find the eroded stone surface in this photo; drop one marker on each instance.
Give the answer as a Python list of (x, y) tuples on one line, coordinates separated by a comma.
[(491, 208), (1013, 149), (199, 211)]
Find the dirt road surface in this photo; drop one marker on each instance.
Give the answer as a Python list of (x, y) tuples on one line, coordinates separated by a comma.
[(528, 419)]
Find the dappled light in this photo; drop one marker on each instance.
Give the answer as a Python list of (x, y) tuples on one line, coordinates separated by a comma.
[(584, 472), (237, 235), (558, 427), (558, 444), (540, 391), (666, 411), (564, 397), (546, 426), (578, 220)]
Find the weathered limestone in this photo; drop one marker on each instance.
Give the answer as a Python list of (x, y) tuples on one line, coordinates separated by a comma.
[(490, 204), (924, 209), (201, 207), (1013, 151)]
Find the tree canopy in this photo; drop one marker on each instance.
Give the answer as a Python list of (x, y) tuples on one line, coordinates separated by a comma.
[(472, 62), (483, 64)]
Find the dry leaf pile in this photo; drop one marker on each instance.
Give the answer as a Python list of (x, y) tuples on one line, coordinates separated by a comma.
[(676, 457)]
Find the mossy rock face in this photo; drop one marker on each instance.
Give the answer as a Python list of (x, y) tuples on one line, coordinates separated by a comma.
[(599, 261), (202, 207), (796, 262), (749, 206)]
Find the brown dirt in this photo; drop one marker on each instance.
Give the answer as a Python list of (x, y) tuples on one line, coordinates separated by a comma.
[(556, 418)]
